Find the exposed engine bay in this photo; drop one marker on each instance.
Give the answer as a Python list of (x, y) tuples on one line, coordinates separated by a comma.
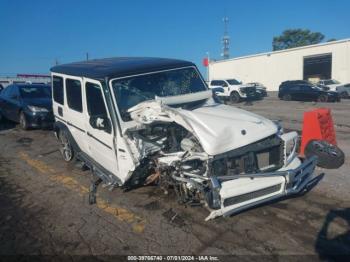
[(177, 150), (173, 158)]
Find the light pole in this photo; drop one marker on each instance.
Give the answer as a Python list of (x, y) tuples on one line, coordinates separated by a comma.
[(208, 66)]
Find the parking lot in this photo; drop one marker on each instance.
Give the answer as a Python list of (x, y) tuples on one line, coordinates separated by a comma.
[(44, 205)]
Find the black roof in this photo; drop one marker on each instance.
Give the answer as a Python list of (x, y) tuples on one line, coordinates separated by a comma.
[(118, 66)]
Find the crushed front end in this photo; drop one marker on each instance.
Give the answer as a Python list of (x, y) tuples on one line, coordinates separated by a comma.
[(258, 173), (187, 151)]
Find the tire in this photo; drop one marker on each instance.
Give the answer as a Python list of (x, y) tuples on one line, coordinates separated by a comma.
[(329, 156), (322, 98), (287, 97), (344, 95), (234, 98), (23, 121), (66, 148)]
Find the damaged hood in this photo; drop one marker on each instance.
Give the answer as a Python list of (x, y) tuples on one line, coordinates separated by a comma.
[(219, 128)]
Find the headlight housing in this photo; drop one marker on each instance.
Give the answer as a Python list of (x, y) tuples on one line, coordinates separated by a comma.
[(36, 109)]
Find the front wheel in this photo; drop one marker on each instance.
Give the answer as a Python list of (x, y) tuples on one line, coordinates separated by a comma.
[(287, 97), (322, 98), (344, 95), (23, 121), (66, 148), (234, 98)]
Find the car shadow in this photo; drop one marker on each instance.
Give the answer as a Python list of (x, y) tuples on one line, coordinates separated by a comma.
[(6, 125), (335, 248)]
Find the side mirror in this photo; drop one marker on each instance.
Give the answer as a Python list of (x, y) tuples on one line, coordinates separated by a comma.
[(101, 122)]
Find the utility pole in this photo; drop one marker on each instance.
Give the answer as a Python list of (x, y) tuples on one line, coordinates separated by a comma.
[(208, 67), (56, 61), (225, 41), (87, 56)]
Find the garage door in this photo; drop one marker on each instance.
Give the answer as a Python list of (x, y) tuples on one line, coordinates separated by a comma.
[(318, 67)]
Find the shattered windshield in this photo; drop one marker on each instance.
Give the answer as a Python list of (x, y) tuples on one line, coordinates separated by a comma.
[(133, 90)]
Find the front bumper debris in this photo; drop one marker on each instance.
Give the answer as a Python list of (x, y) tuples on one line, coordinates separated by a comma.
[(240, 192)]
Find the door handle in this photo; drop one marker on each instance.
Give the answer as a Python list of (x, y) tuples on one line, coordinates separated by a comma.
[(60, 111)]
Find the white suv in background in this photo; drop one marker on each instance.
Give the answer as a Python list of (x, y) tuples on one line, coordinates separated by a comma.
[(232, 89), (334, 85)]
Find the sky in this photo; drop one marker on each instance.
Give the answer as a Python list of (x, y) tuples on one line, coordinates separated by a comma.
[(34, 34)]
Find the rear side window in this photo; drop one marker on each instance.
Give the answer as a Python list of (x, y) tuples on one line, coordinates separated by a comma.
[(74, 99), (294, 88), (94, 100), (57, 89)]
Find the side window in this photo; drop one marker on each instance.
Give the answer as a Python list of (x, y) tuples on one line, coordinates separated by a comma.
[(12, 92), (57, 89), (294, 88), (218, 83), (306, 88), (94, 100), (224, 84), (74, 99)]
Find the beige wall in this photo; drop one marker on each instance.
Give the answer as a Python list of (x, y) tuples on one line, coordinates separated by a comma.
[(273, 68)]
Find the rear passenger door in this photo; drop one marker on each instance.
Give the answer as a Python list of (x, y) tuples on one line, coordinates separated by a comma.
[(100, 142), (74, 110)]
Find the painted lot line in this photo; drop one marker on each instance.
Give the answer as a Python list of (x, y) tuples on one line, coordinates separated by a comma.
[(135, 221)]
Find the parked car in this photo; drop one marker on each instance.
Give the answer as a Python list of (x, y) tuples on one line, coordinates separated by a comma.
[(335, 86), (260, 88), (347, 88), (302, 91), (142, 121), (30, 105), (233, 90)]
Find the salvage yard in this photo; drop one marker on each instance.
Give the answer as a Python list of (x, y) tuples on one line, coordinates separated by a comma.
[(44, 205)]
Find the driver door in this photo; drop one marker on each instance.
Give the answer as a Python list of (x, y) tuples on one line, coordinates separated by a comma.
[(100, 142)]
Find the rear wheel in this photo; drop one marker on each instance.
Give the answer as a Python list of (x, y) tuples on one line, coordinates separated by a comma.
[(287, 97), (328, 155), (23, 121), (344, 95), (234, 97), (322, 98), (66, 148)]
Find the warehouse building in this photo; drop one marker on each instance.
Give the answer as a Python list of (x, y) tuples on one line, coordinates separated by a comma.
[(329, 60)]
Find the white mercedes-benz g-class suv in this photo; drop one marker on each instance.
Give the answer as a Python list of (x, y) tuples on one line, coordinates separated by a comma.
[(142, 121), (232, 90)]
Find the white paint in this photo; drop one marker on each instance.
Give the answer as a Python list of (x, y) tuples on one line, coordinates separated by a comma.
[(219, 128)]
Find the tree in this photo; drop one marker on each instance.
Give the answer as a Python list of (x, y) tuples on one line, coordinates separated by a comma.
[(296, 37), (331, 40)]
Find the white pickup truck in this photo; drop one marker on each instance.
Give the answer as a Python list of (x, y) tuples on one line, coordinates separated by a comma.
[(232, 90)]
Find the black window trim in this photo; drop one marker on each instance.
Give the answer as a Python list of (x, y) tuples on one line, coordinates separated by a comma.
[(96, 82), (81, 92), (63, 89)]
